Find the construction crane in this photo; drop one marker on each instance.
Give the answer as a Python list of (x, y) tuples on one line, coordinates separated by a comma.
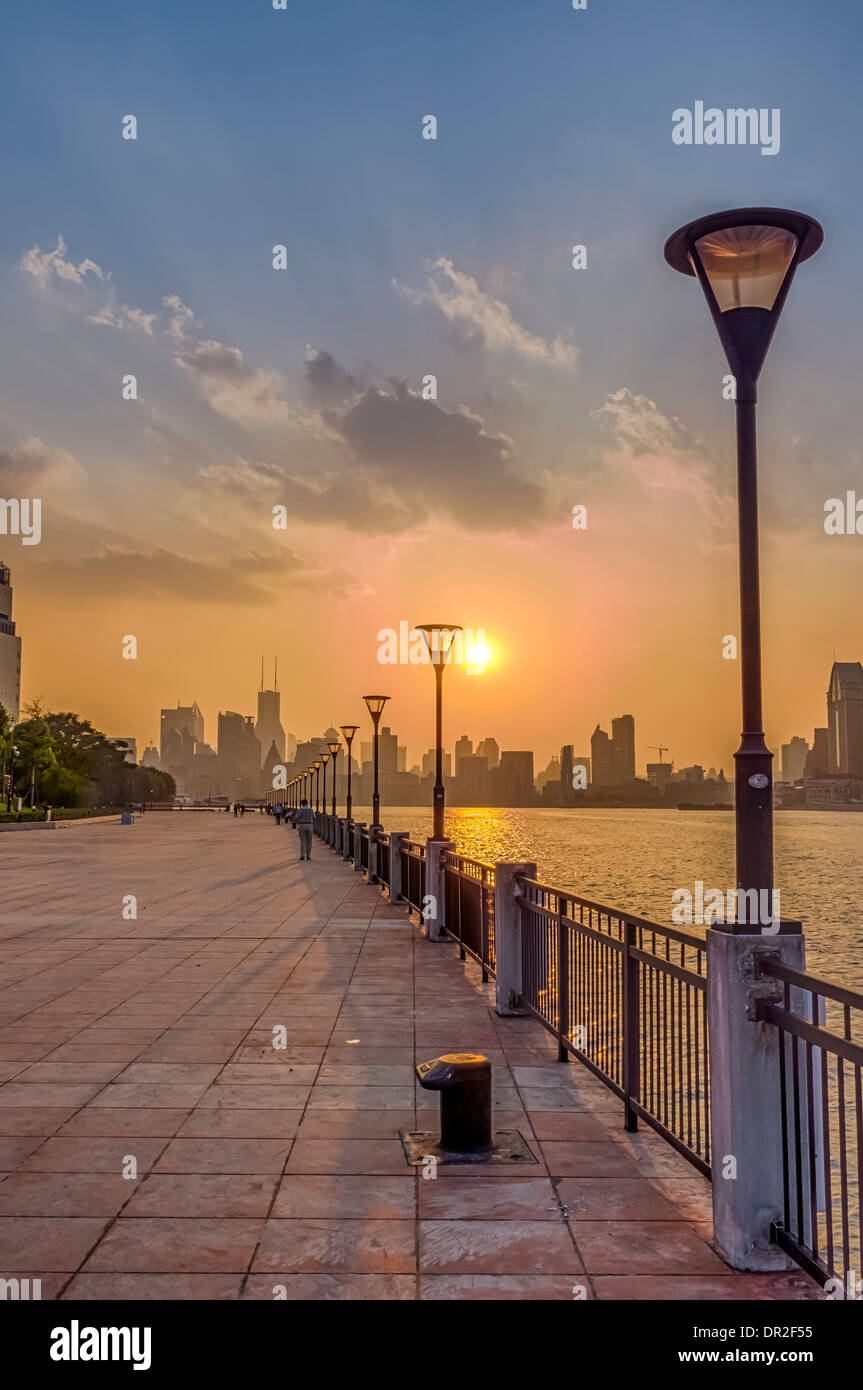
[(660, 749)]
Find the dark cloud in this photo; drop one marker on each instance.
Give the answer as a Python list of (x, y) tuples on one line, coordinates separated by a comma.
[(326, 383), (119, 572), (437, 460)]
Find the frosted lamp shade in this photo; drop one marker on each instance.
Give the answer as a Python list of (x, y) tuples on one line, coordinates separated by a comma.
[(325, 758), (746, 266), (349, 730), (438, 638), (334, 747), (375, 703)]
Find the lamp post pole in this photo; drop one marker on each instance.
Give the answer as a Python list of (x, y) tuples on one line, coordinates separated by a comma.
[(14, 754), (334, 747), (325, 757), (438, 639), (745, 261), (317, 770), (375, 705), (348, 731)]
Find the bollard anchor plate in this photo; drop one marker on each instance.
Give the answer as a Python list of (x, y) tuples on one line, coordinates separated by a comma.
[(507, 1146)]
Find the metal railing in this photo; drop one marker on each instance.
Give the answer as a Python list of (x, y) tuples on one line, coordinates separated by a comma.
[(627, 997), (469, 908), (413, 866), (364, 848), (383, 849), (820, 1070)]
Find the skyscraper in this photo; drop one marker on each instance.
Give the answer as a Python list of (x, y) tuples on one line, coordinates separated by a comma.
[(601, 758), (10, 650), (845, 717), (489, 749), (185, 720), (623, 752), (268, 726), (818, 757), (463, 749), (794, 759)]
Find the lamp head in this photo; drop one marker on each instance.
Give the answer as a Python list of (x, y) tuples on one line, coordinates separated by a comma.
[(375, 705), (334, 747), (438, 638), (348, 731), (745, 260)]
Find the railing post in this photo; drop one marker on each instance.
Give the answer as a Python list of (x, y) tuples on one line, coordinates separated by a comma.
[(397, 838), (346, 838), (631, 1034), (562, 985), (507, 936), (359, 827), (373, 856), (745, 1101), (435, 921)]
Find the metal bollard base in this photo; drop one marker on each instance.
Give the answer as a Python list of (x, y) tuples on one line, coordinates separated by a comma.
[(508, 1146)]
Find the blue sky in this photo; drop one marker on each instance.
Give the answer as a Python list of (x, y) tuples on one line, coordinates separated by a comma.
[(302, 127)]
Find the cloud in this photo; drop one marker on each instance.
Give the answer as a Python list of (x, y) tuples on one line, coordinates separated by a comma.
[(46, 266), (460, 299), (325, 382), (98, 302), (30, 464), (119, 571), (664, 457)]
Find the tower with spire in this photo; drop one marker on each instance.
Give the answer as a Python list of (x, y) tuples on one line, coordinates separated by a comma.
[(10, 650), (268, 728)]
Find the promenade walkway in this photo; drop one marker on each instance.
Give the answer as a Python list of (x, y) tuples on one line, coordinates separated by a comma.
[(145, 1046)]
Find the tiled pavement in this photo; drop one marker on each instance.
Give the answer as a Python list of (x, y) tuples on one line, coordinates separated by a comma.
[(145, 1047)]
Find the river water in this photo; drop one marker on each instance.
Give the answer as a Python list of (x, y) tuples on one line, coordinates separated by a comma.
[(634, 859)]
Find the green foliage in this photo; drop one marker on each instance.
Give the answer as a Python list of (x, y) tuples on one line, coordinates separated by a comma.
[(73, 764)]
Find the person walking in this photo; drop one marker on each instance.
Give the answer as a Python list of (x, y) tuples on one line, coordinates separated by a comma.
[(277, 812), (304, 820)]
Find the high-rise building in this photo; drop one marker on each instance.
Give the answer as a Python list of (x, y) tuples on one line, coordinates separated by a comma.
[(388, 751), (10, 650), (565, 769), (602, 758), (463, 749), (818, 757), (489, 750), (150, 756), (238, 743), (128, 747), (845, 718), (403, 757), (473, 781), (623, 751), (582, 760), (512, 779), (794, 759), (175, 723), (659, 775), (268, 726), (429, 763)]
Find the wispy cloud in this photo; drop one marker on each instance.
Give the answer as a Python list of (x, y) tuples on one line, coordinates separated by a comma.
[(462, 301)]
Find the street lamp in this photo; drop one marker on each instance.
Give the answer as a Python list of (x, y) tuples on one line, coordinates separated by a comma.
[(438, 638), (325, 757), (348, 731), (375, 705), (316, 768), (334, 747), (745, 261), (14, 752)]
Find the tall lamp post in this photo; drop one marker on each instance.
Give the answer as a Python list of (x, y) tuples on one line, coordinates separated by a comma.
[(334, 747), (316, 768), (348, 732), (438, 639), (745, 261), (14, 754), (325, 757), (375, 705)]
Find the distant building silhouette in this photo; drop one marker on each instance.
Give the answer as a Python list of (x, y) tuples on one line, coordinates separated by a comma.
[(845, 718), (601, 758), (794, 755), (623, 752), (489, 749), (463, 749), (10, 650), (818, 757), (268, 727)]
